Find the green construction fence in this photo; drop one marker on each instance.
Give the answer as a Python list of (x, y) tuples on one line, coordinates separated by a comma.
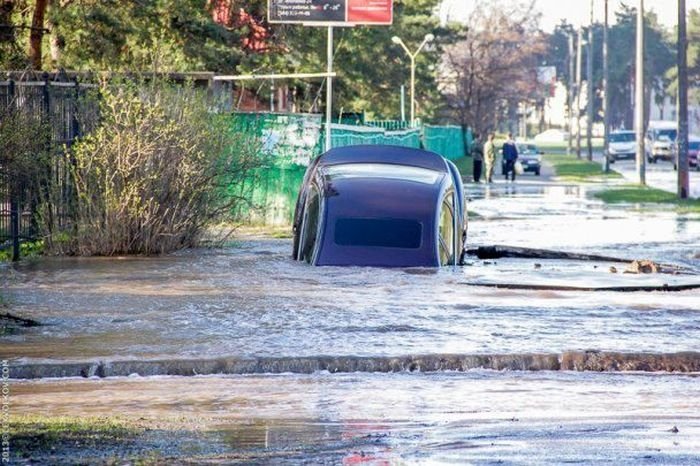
[(449, 141), (293, 140), (348, 135)]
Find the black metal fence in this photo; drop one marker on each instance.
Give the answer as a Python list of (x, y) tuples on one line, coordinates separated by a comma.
[(63, 111)]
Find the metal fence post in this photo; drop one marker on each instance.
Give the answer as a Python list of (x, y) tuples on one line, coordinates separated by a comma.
[(14, 225), (14, 201)]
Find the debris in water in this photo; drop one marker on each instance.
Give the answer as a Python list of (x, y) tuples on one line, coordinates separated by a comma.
[(643, 266), (538, 266), (22, 321), (613, 269), (674, 430)]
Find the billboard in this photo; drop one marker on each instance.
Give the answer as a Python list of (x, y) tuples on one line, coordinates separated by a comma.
[(331, 12)]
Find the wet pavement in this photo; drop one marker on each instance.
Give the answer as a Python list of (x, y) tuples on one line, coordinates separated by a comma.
[(251, 301), (659, 175), (479, 417)]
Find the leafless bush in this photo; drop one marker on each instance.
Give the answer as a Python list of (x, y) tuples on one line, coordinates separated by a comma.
[(494, 65), (156, 171)]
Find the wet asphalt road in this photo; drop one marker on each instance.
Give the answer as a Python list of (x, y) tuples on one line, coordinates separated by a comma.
[(659, 175)]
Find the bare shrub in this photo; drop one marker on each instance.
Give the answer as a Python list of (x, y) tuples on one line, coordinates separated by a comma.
[(156, 171)]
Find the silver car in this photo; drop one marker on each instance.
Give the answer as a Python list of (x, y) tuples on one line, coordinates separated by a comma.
[(622, 145)]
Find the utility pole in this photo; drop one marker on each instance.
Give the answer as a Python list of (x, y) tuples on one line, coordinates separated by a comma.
[(589, 88), (572, 90), (683, 181), (579, 50), (329, 87), (639, 96), (606, 95)]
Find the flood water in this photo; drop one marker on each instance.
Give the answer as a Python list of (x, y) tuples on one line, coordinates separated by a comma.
[(252, 300), (249, 300), (477, 417)]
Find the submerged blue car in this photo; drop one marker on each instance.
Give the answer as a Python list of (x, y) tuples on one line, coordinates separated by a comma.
[(382, 206)]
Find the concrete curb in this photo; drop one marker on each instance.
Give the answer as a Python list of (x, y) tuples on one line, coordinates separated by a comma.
[(597, 361)]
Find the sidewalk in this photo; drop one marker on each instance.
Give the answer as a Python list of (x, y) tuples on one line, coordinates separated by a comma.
[(658, 175)]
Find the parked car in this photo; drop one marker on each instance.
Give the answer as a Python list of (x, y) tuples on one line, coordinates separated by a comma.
[(622, 145), (528, 156), (661, 141), (383, 206)]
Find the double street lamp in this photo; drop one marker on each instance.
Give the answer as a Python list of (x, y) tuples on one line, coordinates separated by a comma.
[(397, 40)]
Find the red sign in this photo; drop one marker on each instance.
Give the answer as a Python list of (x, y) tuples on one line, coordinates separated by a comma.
[(370, 11)]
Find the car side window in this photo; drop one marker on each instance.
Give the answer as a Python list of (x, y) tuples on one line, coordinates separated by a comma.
[(310, 225), (446, 230)]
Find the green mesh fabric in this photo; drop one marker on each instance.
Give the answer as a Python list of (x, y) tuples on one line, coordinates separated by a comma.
[(293, 140)]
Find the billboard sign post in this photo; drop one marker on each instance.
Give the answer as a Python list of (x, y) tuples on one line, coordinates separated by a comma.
[(330, 13)]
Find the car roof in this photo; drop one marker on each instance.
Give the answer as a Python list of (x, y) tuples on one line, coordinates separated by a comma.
[(392, 155), (360, 186)]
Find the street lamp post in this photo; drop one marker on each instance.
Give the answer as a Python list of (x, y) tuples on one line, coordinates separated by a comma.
[(606, 90), (682, 164), (589, 87), (579, 60), (639, 96), (397, 40)]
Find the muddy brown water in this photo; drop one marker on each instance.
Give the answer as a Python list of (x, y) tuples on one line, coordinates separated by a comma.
[(478, 417), (251, 303)]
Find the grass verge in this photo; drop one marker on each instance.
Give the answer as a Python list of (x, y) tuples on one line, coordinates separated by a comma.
[(571, 168), (33, 434), (635, 194), (563, 146), (27, 249)]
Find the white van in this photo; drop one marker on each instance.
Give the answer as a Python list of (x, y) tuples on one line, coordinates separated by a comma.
[(661, 140)]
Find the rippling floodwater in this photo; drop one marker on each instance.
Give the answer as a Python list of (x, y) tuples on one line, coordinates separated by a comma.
[(252, 300), (464, 418)]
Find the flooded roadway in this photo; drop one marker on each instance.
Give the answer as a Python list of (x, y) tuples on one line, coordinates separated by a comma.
[(477, 417), (252, 301)]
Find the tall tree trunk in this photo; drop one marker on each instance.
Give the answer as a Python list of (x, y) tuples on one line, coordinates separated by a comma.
[(55, 37), (37, 34)]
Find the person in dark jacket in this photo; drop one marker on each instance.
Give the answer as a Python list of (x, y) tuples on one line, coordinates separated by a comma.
[(478, 158), (510, 156)]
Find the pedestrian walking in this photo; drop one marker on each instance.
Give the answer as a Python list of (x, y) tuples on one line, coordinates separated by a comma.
[(510, 156), (489, 158), (477, 158)]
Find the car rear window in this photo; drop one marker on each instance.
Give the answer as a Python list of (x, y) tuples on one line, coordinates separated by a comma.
[(382, 170), (372, 232)]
